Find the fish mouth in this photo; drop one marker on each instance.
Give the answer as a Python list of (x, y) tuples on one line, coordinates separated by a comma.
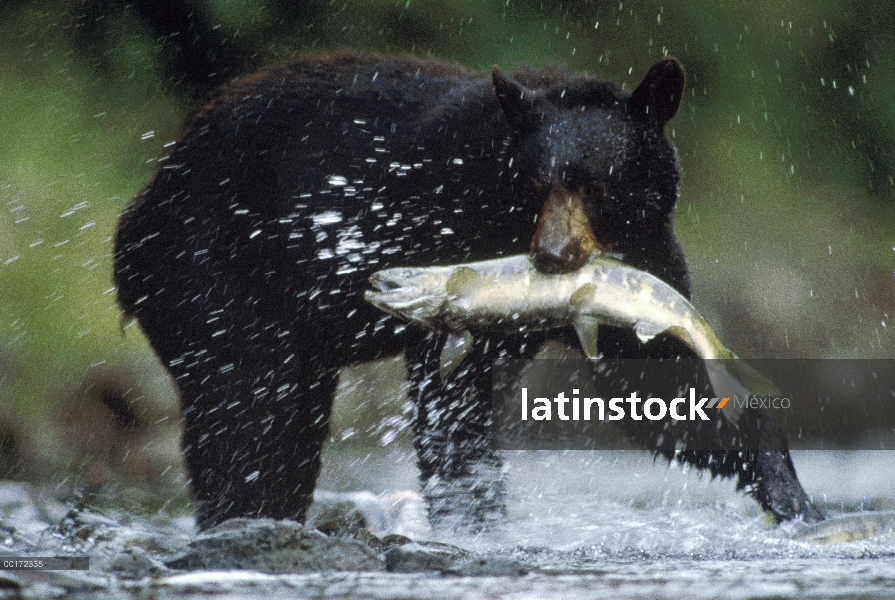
[(387, 294), (394, 297), (400, 299), (384, 285)]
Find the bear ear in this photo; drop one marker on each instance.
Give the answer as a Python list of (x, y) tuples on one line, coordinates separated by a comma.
[(659, 94), (516, 100)]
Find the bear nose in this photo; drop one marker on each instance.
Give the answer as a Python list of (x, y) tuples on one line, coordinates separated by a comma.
[(564, 240), (546, 263), (548, 260)]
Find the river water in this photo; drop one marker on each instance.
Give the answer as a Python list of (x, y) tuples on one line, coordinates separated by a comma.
[(619, 524), (587, 525)]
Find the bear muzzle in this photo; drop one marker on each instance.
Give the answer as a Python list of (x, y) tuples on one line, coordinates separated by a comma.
[(564, 239)]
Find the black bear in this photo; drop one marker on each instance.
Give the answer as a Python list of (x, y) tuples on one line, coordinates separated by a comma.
[(245, 259)]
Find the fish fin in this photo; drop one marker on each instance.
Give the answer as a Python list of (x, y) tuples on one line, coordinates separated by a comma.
[(647, 330), (587, 328), (462, 282), (733, 377), (582, 295), (753, 380), (455, 349), (619, 256)]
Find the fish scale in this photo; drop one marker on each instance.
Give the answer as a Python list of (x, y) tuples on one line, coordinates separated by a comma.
[(509, 294)]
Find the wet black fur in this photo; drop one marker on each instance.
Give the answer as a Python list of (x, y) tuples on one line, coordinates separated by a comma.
[(245, 259)]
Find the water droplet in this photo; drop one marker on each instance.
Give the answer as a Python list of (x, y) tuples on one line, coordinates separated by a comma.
[(329, 217)]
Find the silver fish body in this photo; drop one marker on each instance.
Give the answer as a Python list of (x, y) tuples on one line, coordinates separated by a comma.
[(509, 294), (848, 528)]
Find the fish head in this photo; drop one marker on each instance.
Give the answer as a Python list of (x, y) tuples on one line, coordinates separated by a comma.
[(414, 294)]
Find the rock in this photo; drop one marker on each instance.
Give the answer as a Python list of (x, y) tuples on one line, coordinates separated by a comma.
[(487, 566), (10, 586), (344, 513), (339, 518), (413, 557), (274, 547), (84, 528), (395, 539), (136, 563), (336, 513), (448, 560)]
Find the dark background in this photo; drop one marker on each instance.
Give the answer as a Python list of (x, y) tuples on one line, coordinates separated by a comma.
[(785, 138)]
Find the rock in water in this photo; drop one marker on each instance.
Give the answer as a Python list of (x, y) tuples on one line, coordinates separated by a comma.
[(274, 547)]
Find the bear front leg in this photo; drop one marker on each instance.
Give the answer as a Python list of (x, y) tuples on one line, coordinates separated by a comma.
[(753, 449), (767, 473), (460, 473), (755, 452)]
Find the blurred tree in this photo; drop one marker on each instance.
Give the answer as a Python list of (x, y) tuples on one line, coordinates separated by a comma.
[(844, 107), (198, 53)]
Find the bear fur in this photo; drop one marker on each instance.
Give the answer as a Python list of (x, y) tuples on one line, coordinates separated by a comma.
[(245, 259)]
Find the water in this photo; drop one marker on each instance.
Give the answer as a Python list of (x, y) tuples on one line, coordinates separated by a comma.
[(620, 524), (589, 525)]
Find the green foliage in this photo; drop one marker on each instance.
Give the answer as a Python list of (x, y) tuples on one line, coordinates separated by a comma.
[(785, 137), (72, 155)]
